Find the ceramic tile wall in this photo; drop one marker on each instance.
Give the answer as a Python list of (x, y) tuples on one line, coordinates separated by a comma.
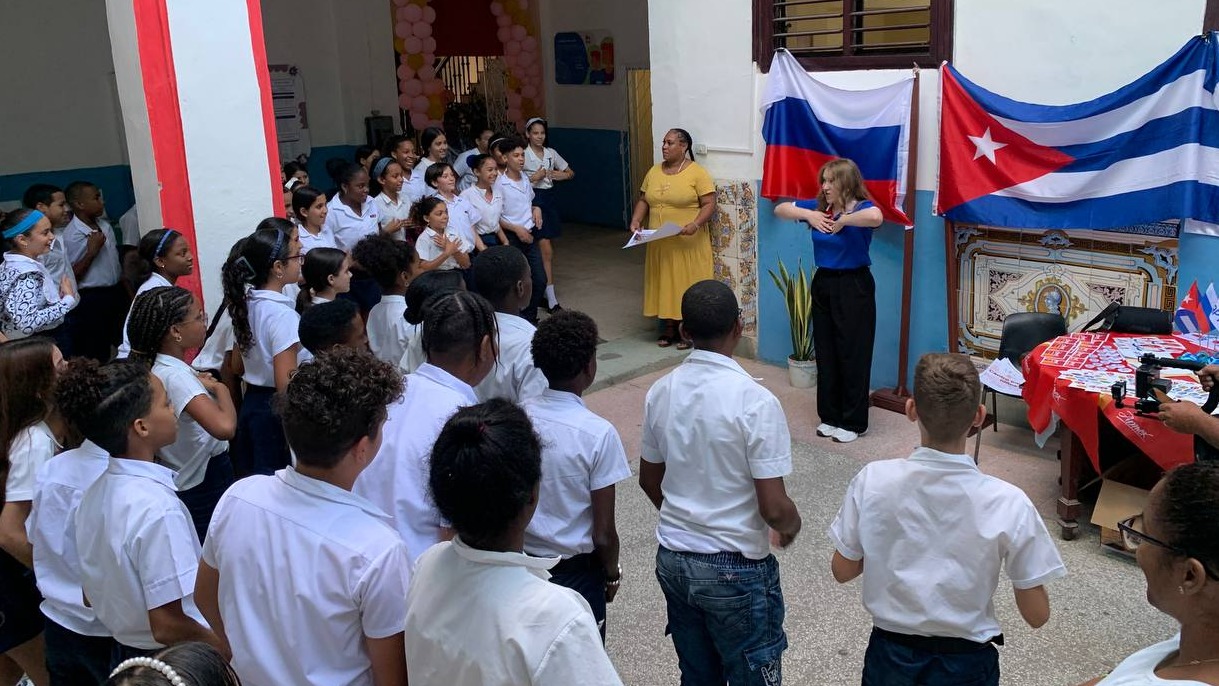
[(734, 242)]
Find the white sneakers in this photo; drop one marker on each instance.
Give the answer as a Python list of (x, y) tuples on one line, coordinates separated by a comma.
[(839, 435)]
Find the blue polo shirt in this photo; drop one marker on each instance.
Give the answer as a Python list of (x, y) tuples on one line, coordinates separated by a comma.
[(847, 249)]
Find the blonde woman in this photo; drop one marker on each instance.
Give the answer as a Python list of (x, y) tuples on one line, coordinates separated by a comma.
[(840, 221)]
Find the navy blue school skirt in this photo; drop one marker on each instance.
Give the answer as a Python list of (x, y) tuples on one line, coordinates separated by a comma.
[(260, 444)]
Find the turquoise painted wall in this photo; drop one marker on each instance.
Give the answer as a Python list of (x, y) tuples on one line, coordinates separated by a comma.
[(115, 182), (598, 193)]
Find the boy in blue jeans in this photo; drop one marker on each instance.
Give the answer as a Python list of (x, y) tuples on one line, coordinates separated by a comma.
[(930, 533)]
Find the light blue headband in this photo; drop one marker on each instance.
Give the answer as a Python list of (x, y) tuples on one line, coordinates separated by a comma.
[(24, 225), (379, 168), (169, 233)]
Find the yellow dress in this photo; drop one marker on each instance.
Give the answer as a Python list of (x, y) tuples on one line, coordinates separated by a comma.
[(674, 264)]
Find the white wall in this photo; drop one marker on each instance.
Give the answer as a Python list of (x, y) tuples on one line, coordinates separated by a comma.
[(345, 51), (594, 107), (57, 82), (1041, 51)]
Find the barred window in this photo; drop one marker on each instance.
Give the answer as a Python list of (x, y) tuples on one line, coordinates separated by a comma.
[(854, 34)]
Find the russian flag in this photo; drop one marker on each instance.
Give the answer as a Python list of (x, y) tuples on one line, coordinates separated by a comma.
[(1192, 316), (1146, 152), (808, 123)]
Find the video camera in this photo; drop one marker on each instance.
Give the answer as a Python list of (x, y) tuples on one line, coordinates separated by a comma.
[(1147, 381)]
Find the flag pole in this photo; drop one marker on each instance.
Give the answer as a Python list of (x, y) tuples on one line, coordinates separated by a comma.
[(894, 399)]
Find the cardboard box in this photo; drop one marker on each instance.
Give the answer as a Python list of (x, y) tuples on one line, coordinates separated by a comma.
[(1116, 502)]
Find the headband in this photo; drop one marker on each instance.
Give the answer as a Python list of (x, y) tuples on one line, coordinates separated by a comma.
[(379, 168), (169, 233), (292, 184), (168, 672), (279, 243), (492, 143), (24, 225), (533, 121)]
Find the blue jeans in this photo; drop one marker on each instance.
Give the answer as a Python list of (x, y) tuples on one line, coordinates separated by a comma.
[(888, 663), (725, 615)]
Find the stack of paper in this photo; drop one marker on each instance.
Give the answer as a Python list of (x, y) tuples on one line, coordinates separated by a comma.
[(1003, 376)]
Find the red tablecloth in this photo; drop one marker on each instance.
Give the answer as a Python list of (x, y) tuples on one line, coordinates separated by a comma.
[(1048, 395)]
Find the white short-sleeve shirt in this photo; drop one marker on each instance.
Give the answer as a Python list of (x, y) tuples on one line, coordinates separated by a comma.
[(581, 453), (347, 226), (189, 455), (518, 200), (396, 480), (155, 280), (394, 210), (388, 331), (413, 358), (905, 518), (57, 263), (550, 159), (323, 239), (514, 377), (138, 549), (465, 175), (511, 626), (32, 447), (428, 250), (218, 345), (489, 211), (462, 217), (52, 528), (716, 430), (1139, 669), (105, 269), (326, 570), (275, 326)]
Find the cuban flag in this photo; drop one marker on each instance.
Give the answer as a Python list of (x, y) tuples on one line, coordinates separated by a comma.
[(1146, 152), (808, 123)]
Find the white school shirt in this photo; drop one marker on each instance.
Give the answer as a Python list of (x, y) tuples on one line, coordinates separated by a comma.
[(421, 168), (550, 159), (138, 549), (397, 479), (716, 430), (195, 447), (427, 250), (275, 324), (155, 280), (462, 217), (105, 269), (511, 626), (29, 299), (129, 226), (581, 453), (514, 377), (62, 482), (57, 263), (413, 358), (489, 211), (31, 448), (518, 200), (461, 166), (933, 532), (323, 239), (217, 346), (326, 569), (1139, 669), (391, 210), (387, 329), (347, 227)]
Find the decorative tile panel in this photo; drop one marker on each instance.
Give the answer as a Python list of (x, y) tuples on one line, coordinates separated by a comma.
[(734, 242)]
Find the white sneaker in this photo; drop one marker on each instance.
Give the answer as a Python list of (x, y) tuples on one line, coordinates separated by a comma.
[(844, 436), (826, 431)]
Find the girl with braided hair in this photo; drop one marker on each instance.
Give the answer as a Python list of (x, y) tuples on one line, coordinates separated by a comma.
[(164, 257), (164, 323)]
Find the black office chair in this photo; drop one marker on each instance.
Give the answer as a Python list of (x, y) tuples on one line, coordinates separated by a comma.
[(1022, 331)]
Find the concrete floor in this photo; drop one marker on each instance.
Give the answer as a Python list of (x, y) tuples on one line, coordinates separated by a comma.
[(1100, 614)]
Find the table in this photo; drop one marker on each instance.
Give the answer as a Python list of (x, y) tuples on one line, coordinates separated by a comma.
[(1053, 397)]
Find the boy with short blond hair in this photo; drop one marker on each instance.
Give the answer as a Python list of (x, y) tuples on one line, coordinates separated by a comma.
[(929, 534)]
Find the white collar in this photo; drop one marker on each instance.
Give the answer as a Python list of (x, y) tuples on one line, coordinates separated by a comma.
[(171, 361), (536, 566), (22, 264), (562, 397), (45, 429), (327, 491), (512, 321), (933, 456), (146, 470), (707, 357), (437, 375), (337, 204), (272, 296), (387, 298)]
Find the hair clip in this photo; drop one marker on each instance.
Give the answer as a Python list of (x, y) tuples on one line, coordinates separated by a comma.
[(168, 672), (245, 269)]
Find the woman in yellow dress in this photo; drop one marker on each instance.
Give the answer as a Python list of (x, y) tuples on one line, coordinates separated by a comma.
[(677, 190)]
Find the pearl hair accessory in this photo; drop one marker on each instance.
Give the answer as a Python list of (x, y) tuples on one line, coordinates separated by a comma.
[(152, 663)]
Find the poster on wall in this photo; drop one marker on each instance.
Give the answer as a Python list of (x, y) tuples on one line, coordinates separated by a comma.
[(584, 58), (291, 115)]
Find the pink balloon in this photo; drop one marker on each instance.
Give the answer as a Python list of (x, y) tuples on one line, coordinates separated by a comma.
[(503, 20), (514, 113), (405, 72), (419, 120), (422, 29), (428, 58), (433, 87), (412, 44), (404, 101), (504, 34), (427, 73), (402, 29), (519, 32), (429, 14), (413, 12), (528, 91), (529, 44), (429, 44), (497, 9), (512, 48), (412, 88), (523, 4), (399, 3), (514, 99)]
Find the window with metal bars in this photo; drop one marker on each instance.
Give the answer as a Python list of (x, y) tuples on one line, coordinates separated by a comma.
[(854, 34)]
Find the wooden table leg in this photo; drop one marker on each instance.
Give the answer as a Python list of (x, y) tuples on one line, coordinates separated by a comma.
[(1072, 456)]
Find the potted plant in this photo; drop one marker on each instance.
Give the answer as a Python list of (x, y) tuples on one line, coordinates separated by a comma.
[(798, 298)]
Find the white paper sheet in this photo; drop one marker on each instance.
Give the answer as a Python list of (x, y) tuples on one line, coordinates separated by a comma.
[(667, 230), (1003, 376)]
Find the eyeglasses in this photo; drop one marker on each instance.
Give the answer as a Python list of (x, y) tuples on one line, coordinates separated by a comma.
[(289, 258), (1133, 536)]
